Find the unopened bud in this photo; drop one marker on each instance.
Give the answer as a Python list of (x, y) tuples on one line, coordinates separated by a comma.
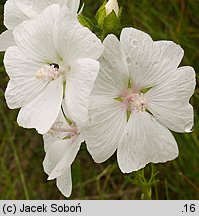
[(112, 5)]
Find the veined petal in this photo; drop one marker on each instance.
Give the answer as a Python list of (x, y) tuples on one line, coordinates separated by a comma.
[(17, 64), (42, 112), (23, 86), (107, 121), (13, 16), (74, 41), (17, 11), (20, 92), (79, 84), (169, 101), (6, 40), (113, 77), (31, 8), (35, 37), (149, 62), (64, 182), (60, 155), (73, 5), (145, 140)]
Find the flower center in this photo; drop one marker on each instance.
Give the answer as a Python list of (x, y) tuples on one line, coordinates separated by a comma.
[(135, 102), (48, 73), (70, 131), (51, 72)]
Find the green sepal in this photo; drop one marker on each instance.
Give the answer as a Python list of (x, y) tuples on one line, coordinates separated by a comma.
[(118, 99), (129, 84), (86, 22), (146, 90), (101, 15), (66, 137), (111, 25), (64, 88), (128, 113), (66, 118)]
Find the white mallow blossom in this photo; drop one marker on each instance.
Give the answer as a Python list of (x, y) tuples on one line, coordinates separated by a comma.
[(112, 5), (61, 144), (17, 11), (55, 57), (139, 94)]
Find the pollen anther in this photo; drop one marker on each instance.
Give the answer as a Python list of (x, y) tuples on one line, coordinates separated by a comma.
[(58, 127), (135, 101), (48, 73)]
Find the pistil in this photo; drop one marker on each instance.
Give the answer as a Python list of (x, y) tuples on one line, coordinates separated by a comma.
[(135, 101)]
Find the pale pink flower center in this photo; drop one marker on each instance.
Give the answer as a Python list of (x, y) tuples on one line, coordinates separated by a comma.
[(135, 102), (71, 131), (50, 72)]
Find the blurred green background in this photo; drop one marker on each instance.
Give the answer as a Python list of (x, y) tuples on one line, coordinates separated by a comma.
[(21, 150)]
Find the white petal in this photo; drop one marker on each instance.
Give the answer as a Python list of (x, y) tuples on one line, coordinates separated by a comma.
[(113, 77), (35, 37), (73, 5), (60, 155), (42, 112), (73, 41), (149, 62), (64, 182), (145, 140), (6, 40), (169, 102), (16, 11), (31, 8), (23, 86), (79, 84), (48, 141), (20, 92), (60, 2), (107, 121), (13, 16), (17, 64)]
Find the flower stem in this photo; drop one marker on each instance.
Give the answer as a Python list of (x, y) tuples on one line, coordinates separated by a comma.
[(146, 183)]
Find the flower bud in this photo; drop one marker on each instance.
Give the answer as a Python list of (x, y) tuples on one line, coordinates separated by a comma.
[(112, 5)]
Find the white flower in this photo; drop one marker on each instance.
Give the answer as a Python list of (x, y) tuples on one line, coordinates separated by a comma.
[(61, 144), (17, 11), (124, 116), (55, 56), (112, 5)]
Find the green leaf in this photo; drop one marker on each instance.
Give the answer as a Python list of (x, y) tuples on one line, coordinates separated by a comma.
[(101, 15)]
